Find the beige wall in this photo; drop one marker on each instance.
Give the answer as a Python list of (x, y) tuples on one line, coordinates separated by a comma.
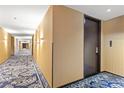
[(5, 45), (20, 45), (113, 57), (38, 45), (67, 45), (12, 45), (43, 46), (46, 45), (34, 45), (62, 30)]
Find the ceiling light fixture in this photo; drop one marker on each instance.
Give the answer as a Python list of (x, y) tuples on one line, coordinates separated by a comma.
[(108, 10), (14, 18)]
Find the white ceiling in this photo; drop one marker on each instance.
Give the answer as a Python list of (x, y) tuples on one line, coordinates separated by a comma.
[(27, 19), (100, 11)]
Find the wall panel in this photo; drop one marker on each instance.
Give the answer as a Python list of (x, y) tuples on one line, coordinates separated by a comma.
[(5, 45), (43, 46), (60, 54), (113, 57), (68, 45)]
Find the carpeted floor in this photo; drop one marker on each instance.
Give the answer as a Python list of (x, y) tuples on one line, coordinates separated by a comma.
[(101, 80), (20, 71)]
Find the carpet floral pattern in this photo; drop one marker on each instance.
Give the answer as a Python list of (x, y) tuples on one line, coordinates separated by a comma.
[(101, 80), (20, 71)]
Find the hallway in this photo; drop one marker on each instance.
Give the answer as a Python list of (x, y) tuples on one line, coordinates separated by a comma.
[(20, 71), (61, 46)]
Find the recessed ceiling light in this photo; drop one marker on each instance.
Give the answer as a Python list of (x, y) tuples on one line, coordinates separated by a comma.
[(108, 10), (14, 18)]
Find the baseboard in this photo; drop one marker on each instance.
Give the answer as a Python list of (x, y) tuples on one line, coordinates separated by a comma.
[(113, 74), (4, 60), (88, 77), (77, 80), (70, 83)]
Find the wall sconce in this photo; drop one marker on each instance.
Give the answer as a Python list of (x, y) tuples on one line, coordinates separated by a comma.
[(4, 40), (41, 36)]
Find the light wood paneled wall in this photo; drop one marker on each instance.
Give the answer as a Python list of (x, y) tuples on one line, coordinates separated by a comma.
[(12, 45), (42, 46), (58, 45), (113, 57), (6, 45), (67, 45)]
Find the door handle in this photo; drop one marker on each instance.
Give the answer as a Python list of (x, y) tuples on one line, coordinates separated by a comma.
[(97, 50)]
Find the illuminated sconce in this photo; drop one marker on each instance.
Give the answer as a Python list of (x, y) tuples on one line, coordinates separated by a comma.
[(6, 43), (41, 36), (6, 38)]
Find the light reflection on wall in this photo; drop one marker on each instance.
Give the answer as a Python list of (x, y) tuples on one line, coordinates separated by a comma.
[(41, 39), (5, 41)]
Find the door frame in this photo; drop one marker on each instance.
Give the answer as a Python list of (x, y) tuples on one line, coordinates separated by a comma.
[(99, 41)]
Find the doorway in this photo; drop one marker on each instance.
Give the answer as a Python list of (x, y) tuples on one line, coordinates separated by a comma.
[(92, 31), (25, 45)]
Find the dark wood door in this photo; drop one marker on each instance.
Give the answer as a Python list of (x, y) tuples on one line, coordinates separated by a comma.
[(24, 45), (91, 46)]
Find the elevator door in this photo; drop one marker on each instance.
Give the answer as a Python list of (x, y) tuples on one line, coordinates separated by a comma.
[(91, 47)]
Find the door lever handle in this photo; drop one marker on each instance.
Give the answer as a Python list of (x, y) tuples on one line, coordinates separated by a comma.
[(97, 50)]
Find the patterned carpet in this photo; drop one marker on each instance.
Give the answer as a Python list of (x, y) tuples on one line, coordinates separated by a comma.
[(101, 80), (20, 71), (24, 52)]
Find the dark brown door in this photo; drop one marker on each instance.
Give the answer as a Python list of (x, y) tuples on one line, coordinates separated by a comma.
[(91, 46), (24, 45)]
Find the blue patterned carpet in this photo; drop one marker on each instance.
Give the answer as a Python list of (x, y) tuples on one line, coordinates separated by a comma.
[(101, 80), (20, 71)]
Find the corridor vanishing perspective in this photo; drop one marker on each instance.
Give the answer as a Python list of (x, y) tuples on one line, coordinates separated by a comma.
[(20, 71), (63, 46)]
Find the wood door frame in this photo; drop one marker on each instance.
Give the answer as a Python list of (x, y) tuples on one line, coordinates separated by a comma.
[(99, 41)]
